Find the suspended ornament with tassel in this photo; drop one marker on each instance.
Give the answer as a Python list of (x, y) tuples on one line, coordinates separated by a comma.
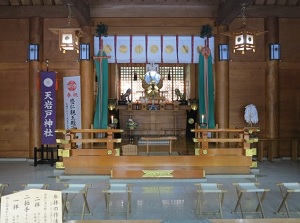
[(101, 31), (206, 33)]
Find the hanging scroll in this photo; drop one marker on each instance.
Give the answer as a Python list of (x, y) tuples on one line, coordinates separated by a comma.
[(48, 106), (153, 49), (184, 49), (138, 49)]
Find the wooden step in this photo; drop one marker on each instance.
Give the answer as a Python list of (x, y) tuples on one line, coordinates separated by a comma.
[(142, 172), (105, 164)]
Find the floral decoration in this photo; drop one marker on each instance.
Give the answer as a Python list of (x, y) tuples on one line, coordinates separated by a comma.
[(131, 124)]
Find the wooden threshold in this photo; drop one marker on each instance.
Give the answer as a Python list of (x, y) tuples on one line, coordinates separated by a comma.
[(173, 172), (104, 165)]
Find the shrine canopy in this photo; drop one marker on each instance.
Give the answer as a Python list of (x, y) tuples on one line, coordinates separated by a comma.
[(153, 49)]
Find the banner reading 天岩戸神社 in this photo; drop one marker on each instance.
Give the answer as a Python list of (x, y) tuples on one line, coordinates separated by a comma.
[(48, 106)]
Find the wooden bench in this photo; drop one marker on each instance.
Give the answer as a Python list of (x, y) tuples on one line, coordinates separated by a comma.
[(168, 138)]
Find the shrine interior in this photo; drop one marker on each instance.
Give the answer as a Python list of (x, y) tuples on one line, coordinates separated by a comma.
[(148, 100)]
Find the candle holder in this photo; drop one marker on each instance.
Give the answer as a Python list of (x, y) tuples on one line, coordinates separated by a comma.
[(112, 102), (203, 125), (112, 125), (194, 104)]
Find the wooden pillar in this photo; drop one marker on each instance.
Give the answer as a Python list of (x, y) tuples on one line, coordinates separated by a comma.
[(222, 85), (113, 81), (35, 37), (192, 81), (272, 86), (87, 78)]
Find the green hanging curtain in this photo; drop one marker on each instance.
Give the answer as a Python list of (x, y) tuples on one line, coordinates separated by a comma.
[(206, 88), (101, 110)]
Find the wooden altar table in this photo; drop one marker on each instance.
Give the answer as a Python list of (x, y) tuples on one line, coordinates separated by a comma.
[(168, 138)]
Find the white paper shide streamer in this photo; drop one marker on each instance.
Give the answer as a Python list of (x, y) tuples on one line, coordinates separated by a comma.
[(251, 115)]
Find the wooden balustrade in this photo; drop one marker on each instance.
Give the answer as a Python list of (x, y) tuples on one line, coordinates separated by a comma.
[(207, 160), (269, 146), (71, 142), (239, 142)]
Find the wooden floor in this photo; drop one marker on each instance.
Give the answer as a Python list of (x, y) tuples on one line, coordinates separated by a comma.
[(267, 220), (159, 201), (114, 221)]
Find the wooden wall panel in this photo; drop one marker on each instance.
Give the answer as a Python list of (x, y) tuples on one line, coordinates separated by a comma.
[(14, 39), (289, 78), (14, 144), (289, 102), (14, 104), (12, 51), (12, 120), (14, 30), (247, 86), (289, 35)]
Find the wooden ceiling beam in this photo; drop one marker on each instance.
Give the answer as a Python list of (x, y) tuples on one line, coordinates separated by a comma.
[(153, 11), (278, 11), (23, 12), (229, 10), (84, 13), (80, 11)]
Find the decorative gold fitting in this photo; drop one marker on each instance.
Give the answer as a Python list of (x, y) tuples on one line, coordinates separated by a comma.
[(59, 165), (254, 164), (157, 173), (117, 151), (251, 152)]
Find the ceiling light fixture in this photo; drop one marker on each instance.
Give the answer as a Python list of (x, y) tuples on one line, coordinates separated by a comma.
[(244, 37), (68, 35)]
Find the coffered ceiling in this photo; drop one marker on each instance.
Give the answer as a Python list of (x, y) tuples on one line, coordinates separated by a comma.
[(224, 11)]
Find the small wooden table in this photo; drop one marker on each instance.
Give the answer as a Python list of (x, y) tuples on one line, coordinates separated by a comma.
[(44, 152), (168, 138)]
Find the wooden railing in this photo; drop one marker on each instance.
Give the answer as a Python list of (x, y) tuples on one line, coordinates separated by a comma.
[(270, 146), (241, 139), (238, 142), (71, 142)]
